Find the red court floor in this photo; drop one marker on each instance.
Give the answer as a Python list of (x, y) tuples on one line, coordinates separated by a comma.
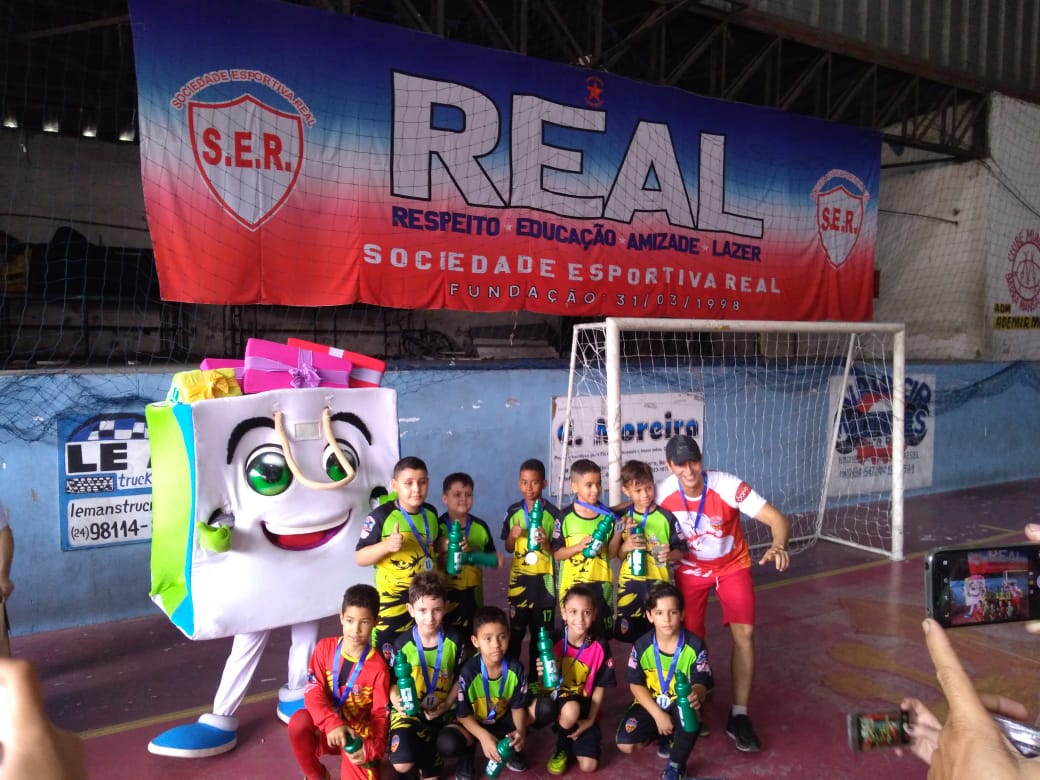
[(839, 632)]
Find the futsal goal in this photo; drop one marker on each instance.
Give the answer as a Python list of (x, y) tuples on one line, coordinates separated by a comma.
[(810, 414)]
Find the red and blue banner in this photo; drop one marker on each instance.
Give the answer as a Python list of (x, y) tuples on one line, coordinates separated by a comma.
[(298, 157)]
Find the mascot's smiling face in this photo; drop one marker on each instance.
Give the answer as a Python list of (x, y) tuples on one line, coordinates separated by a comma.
[(278, 468), (290, 473)]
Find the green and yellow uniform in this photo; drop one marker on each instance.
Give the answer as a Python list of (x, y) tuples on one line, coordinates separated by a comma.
[(394, 573), (466, 589), (660, 529), (570, 529)]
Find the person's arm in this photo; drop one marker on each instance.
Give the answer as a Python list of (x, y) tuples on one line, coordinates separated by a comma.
[(316, 696), (780, 528), (519, 735), (371, 554), (482, 735), (379, 717), (969, 745), (34, 747), (6, 556), (661, 718), (595, 702)]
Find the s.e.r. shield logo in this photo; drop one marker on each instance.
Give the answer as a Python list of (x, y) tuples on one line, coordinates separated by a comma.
[(839, 213), (1023, 279), (248, 153)]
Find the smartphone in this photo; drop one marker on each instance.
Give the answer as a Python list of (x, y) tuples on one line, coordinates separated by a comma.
[(972, 586), (1024, 737), (880, 729)]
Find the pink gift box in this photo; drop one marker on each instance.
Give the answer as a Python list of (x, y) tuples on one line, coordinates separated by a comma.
[(273, 366), (365, 372), (212, 364)]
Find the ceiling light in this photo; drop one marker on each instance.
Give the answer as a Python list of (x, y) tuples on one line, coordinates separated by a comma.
[(11, 122), (128, 135), (90, 131), (51, 126)]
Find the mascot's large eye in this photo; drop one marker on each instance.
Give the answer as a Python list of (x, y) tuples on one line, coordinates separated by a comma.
[(267, 472), (332, 464)]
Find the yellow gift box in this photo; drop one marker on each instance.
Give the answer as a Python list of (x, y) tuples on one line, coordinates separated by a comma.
[(191, 386)]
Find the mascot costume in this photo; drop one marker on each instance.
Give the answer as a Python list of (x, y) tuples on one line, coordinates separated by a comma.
[(258, 500)]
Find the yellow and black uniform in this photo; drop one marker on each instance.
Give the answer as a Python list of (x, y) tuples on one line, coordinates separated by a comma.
[(655, 670), (491, 695), (394, 573), (532, 580), (466, 589), (414, 739), (570, 529), (660, 529)]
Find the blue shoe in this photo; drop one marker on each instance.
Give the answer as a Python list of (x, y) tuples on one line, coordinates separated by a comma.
[(210, 735), (289, 701), (672, 772)]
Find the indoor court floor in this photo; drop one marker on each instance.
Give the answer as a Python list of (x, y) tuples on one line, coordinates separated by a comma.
[(840, 631)]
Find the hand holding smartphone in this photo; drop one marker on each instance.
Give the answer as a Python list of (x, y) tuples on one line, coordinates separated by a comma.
[(971, 586), (889, 728)]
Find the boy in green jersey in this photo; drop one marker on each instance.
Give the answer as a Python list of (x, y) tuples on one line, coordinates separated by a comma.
[(646, 540), (465, 589)]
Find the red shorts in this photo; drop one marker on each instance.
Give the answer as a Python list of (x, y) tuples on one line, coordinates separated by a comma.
[(736, 595)]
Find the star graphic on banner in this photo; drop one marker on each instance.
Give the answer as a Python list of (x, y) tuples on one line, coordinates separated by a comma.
[(594, 94)]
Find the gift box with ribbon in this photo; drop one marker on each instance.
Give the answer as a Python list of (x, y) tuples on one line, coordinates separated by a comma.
[(273, 366), (365, 371), (188, 387), (238, 366)]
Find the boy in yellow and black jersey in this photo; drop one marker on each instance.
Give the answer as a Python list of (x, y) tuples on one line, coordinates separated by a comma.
[(400, 539), (573, 533), (465, 589), (646, 530), (532, 582), (435, 653)]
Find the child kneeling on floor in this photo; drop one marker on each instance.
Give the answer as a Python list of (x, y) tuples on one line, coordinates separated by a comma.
[(345, 701), (656, 658)]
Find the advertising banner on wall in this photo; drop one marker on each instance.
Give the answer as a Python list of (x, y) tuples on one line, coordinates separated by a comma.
[(648, 420), (104, 480), (862, 456), (295, 156)]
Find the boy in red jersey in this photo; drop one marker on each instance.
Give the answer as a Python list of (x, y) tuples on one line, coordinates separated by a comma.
[(346, 696)]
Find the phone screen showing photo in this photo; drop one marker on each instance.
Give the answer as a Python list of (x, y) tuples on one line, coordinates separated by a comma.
[(985, 585), (873, 730)]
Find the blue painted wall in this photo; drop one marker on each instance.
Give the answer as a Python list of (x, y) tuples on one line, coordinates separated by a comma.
[(481, 420)]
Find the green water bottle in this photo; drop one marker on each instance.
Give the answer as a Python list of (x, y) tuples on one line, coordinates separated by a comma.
[(550, 672), (604, 528), (476, 558), (687, 714), (505, 749), (454, 563), (354, 745), (406, 685), (534, 524), (637, 557)]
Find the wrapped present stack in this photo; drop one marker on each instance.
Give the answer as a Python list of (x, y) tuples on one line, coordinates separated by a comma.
[(269, 365)]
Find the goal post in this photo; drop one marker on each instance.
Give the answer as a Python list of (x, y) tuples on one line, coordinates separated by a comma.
[(811, 414)]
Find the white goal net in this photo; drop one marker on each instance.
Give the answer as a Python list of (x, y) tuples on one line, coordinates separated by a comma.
[(812, 415)]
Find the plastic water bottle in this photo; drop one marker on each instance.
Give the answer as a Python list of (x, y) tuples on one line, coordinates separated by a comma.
[(354, 745), (687, 714), (477, 558), (637, 562), (505, 749), (534, 524), (604, 528), (454, 563), (550, 672), (406, 685)]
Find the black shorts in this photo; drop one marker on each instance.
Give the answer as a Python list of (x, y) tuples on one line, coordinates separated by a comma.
[(630, 622), (414, 741), (589, 743), (637, 726), (460, 614)]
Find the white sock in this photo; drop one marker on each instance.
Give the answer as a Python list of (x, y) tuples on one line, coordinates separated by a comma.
[(738, 710)]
